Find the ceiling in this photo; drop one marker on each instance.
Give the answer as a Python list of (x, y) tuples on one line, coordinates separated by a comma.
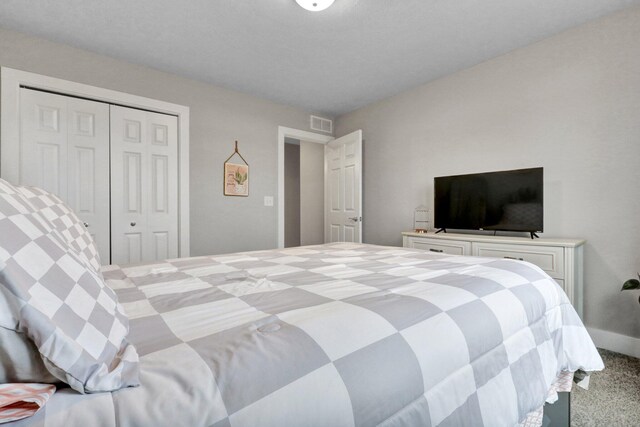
[(331, 62)]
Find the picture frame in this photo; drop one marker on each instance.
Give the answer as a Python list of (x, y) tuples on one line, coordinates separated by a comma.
[(236, 179)]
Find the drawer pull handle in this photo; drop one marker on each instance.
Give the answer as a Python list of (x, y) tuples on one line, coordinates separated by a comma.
[(436, 250), (512, 257)]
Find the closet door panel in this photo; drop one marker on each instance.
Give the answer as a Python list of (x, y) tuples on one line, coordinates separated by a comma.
[(64, 149), (88, 169), (163, 197), (133, 247), (144, 180), (43, 145), (129, 166)]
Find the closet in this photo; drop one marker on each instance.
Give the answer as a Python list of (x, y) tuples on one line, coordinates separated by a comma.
[(117, 167)]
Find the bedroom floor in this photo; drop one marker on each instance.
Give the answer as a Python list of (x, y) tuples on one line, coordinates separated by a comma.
[(613, 398)]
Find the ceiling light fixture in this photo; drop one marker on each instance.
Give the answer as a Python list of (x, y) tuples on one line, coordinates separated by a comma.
[(315, 5)]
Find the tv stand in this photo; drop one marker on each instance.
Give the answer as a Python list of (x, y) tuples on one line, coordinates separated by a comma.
[(444, 230), (534, 235), (561, 259)]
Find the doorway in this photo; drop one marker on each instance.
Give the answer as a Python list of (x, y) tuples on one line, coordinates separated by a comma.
[(303, 193), (311, 139)]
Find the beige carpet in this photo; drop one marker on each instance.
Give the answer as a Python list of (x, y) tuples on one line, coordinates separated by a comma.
[(613, 398)]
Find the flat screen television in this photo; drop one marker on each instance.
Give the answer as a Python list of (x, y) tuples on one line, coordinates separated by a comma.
[(497, 201)]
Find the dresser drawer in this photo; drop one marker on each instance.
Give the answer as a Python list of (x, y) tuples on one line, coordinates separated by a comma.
[(550, 259), (451, 247)]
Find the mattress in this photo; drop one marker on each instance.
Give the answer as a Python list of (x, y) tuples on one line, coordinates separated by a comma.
[(336, 335)]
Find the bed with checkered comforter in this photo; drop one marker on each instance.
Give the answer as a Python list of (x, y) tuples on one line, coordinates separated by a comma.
[(336, 335)]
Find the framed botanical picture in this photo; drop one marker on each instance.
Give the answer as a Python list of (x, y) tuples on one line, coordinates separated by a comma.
[(236, 179)]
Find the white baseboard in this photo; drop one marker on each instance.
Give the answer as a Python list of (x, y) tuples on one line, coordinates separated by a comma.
[(615, 342)]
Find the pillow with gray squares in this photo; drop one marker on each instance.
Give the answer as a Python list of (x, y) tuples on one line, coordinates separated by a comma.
[(64, 220), (53, 298)]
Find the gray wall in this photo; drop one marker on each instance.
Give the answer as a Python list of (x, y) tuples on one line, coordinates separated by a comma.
[(571, 104), (291, 195), (218, 117), (311, 193)]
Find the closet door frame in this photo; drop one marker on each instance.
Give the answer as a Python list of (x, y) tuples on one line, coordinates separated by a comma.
[(12, 80)]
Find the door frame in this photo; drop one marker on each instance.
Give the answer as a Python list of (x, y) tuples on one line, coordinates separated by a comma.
[(11, 80), (302, 135)]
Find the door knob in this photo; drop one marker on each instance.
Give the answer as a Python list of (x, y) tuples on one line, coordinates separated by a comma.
[(355, 218), (86, 224), (133, 224)]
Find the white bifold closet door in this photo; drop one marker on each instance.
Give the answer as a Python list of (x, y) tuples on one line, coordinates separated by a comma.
[(144, 185), (64, 149)]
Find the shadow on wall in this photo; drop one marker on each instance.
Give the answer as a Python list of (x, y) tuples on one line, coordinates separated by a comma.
[(598, 274)]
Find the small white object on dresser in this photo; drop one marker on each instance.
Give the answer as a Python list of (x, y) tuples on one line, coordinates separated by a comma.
[(562, 259)]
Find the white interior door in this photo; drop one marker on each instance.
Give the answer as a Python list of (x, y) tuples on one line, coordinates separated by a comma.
[(64, 149), (43, 141), (88, 169), (343, 189), (162, 218), (144, 182)]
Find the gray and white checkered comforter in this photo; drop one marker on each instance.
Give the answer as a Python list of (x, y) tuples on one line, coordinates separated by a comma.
[(336, 335)]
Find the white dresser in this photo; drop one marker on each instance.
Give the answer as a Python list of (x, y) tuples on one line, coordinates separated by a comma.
[(562, 259)]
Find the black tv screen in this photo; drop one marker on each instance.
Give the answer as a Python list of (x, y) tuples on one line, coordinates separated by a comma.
[(499, 201)]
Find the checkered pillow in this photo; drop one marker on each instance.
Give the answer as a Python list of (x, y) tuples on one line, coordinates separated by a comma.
[(64, 307), (64, 220)]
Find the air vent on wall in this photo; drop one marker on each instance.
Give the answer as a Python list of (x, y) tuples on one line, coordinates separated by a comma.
[(321, 124)]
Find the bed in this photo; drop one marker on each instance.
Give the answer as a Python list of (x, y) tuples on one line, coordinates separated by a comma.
[(335, 335)]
